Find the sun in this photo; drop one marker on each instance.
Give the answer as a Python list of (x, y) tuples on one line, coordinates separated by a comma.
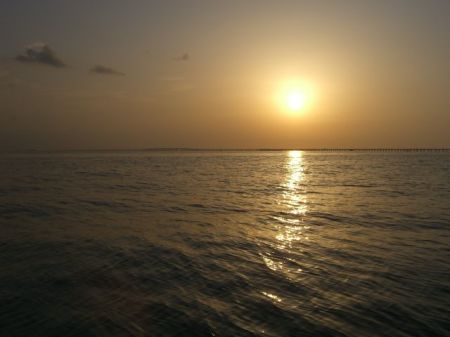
[(294, 97), (295, 100)]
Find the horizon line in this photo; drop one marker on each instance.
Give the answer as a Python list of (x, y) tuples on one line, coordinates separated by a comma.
[(198, 149)]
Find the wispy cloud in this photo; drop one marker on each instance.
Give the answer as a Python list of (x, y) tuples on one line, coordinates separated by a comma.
[(184, 57), (40, 53), (102, 70)]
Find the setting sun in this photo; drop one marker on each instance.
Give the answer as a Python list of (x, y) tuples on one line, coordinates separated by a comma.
[(295, 100), (294, 96)]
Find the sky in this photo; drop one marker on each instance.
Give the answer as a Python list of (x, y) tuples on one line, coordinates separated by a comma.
[(220, 74)]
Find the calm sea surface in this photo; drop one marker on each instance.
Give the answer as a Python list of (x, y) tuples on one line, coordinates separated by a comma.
[(225, 244)]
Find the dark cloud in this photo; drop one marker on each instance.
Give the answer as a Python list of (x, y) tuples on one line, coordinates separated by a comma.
[(40, 53), (102, 70), (184, 57)]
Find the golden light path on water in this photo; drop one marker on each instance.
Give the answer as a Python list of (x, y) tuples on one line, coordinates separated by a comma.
[(290, 227)]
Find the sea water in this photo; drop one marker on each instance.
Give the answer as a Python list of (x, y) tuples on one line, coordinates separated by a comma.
[(225, 243)]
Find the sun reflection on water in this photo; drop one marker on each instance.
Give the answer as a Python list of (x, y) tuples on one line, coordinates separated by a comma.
[(273, 297), (294, 199), (290, 224)]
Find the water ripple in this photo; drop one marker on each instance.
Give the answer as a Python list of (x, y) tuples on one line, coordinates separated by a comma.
[(224, 244)]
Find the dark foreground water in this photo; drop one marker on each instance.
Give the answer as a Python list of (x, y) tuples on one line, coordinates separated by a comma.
[(225, 244)]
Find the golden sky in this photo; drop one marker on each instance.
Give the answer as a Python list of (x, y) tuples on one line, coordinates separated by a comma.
[(224, 74)]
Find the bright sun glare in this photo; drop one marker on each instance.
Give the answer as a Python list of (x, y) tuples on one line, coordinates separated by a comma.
[(295, 100), (294, 96)]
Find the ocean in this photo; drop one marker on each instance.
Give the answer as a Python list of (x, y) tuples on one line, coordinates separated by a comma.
[(225, 243)]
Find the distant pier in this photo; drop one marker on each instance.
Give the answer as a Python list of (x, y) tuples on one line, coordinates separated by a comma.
[(377, 150)]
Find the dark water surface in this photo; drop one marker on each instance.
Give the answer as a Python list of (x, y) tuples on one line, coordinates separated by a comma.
[(225, 244)]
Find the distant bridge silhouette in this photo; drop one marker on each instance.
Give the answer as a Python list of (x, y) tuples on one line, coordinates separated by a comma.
[(376, 149)]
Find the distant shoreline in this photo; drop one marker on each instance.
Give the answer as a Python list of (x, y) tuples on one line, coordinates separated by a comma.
[(29, 151)]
